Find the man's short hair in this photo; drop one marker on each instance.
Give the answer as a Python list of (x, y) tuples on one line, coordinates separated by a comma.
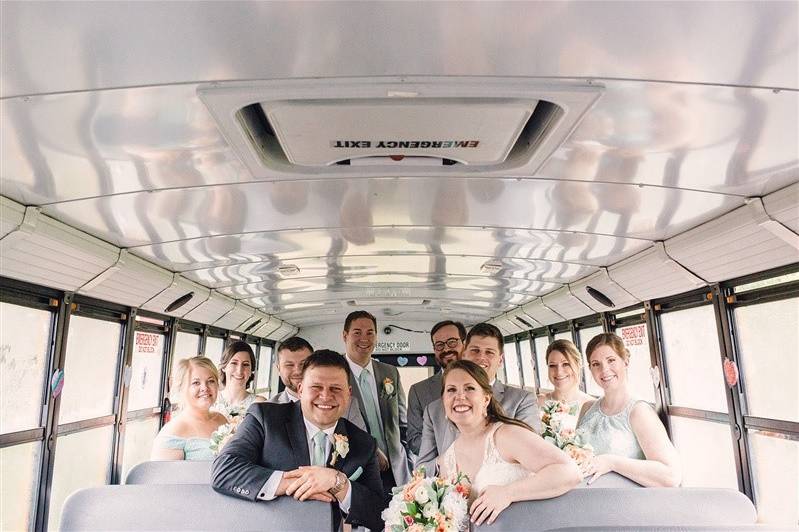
[(356, 315), (486, 330), (326, 358), (445, 323), (294, 344)]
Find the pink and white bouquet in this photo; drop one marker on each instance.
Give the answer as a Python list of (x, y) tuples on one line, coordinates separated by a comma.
[(224, 433), (429, 504), (559, 420)]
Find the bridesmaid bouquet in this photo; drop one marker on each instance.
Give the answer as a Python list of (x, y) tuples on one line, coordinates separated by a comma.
[(429, 504), (559, 421), (223, 434)]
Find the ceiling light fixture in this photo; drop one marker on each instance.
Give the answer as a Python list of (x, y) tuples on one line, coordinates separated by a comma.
[(179, 302), (599, 296)]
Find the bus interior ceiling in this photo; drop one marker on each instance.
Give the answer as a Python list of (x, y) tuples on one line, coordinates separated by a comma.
[(494, 159)]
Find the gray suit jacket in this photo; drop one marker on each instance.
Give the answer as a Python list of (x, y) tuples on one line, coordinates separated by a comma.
[(282, 397), (438, 432), (393, 413), (420, 395)]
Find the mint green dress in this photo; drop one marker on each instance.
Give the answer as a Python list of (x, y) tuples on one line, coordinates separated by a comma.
[(193, 448), (611, 434)]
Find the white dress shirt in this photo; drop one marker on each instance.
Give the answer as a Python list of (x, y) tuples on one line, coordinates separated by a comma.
[(356, 372), (268, 490)]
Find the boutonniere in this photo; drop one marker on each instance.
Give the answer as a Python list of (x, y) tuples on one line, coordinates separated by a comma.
[(341, 446), (388, 386)]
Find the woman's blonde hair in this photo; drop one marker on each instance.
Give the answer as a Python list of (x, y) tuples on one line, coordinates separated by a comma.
[(180, 379), (569, 350), (609, 339)]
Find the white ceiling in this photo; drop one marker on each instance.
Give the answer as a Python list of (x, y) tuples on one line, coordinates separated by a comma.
[(102, 127)]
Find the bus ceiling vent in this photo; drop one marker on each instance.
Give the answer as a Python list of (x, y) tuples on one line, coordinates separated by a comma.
[(289, 270), (599, 296), (491, 267), (427, 125), (179, 302)]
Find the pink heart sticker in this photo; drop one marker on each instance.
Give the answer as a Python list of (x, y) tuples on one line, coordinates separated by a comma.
[(422, 360)]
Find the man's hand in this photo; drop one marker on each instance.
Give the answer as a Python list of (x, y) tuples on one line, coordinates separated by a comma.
[(310, 482), (382, 460)]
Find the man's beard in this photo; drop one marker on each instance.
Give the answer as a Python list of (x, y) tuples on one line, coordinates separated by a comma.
[(449, 356)]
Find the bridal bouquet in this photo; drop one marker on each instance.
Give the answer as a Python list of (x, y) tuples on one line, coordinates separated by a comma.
[(223, 434), (559, 421), (429, 504)]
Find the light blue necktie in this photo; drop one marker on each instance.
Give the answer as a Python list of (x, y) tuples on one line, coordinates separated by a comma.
[(319, 443), (375, 429)]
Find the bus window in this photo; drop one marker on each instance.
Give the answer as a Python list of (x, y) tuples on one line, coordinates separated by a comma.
[(186, 345), (775, 462), (768, 341), (541, 344), (23, 359), (19, 485), (591, 386), (145, 382), (636, 340), (511, 358), (706, 453), (139, 436), (213, 349), (691, 350), (527, 364), (89, 369), (73, 471), (263, 377)]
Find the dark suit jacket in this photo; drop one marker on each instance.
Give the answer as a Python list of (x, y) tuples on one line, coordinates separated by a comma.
[(272, 438)]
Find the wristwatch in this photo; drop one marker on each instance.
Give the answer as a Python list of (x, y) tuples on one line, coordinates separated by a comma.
[(340, 481)]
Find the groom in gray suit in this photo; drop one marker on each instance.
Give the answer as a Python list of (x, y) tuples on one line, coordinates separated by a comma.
[(378, 404), (484, 347), (448, 339)]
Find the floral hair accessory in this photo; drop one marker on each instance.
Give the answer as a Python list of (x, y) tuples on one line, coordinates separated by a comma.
[(388, 385), (341, 446)]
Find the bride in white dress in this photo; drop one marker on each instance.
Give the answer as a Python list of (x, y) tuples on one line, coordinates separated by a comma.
[(505, 460)]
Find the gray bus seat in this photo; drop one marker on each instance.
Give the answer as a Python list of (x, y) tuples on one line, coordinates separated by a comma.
[(609, 480), (636, 507), (683, 528), (187, 507), (170, 472)]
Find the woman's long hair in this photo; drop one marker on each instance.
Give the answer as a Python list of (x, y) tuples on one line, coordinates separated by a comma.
[(495, 412)]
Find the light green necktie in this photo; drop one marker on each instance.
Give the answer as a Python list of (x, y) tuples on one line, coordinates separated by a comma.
[(319, 444), (372, 417)]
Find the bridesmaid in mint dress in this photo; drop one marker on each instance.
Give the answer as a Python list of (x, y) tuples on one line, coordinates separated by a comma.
[(626, 434), (564, 369), (187, 435)]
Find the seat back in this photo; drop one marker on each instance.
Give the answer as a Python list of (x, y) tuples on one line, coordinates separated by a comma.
[(636, 507), (187, 507), (170, 472)]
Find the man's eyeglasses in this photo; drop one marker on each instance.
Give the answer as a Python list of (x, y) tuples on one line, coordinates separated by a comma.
[(451, 343)]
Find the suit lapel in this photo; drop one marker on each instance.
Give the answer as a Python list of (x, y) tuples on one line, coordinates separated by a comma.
[(382, 399), (356, 398), (297, 436), (499, 391)]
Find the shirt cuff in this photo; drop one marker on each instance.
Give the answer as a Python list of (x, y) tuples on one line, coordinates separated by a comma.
[(345, 503), (269, 488)]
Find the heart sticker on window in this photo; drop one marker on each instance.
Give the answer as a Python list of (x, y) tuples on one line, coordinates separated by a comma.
[(402, 361), (422, 360)]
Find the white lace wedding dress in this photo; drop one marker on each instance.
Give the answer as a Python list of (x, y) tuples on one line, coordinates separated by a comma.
[(494, 472)]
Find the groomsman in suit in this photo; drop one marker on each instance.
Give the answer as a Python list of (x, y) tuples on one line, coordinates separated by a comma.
[(448, 339), (379, 402), (306, 449), (290, 355), (484, 347)]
